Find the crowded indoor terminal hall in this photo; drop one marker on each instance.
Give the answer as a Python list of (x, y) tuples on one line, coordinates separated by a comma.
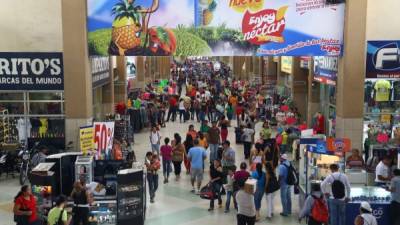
[(193, 112)]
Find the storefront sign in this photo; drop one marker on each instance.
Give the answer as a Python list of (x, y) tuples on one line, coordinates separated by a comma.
[(305, 62), (103, 139), (130, 67), (319, 148), (383, 59), (212, 27), (286, 64), (325, 69), (86, 138), (31, 71), (338, 146), (100, 70)]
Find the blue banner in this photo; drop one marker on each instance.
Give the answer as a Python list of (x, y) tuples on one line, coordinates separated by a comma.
[(326, 69), (319, 148), (383, 59), (31, 71)]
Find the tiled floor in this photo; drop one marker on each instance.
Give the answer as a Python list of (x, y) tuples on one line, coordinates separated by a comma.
[(174, 205)]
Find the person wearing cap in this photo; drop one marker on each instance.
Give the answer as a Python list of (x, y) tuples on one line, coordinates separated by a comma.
[(365, 217), (58, 213), (286, 199)]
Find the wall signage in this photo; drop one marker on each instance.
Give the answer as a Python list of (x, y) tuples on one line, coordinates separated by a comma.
[(383, 59), (31, 71), (100, 67), (286, 64), (326, 69)]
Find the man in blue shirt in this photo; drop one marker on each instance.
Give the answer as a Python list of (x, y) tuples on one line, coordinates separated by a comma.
[(285, 187), (197, 155)]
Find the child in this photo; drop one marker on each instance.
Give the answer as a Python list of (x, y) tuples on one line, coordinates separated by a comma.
[(153, 165), (229, 188), (166, 153)]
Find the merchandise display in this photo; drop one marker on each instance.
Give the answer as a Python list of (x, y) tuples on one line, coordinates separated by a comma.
[(84, 168), (103, 212)]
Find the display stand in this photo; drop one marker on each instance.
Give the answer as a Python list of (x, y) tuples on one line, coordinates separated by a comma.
[(84, 168), (131, 197)]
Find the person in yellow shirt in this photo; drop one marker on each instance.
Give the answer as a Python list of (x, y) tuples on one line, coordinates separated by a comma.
[(284, 142), (203, 140)]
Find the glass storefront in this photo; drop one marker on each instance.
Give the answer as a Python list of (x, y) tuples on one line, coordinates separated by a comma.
[(328, 107), (36, 114)]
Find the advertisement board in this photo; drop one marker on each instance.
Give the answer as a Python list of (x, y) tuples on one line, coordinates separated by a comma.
[(305, 62), (326, 69), (100, 67), (86, 139), (383, 59), (215, 27), (31, 71), (103, 139), (286, 64), (131, 67), (338, 146)]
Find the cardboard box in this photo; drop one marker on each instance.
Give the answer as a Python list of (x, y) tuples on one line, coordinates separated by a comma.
[(250, 186)]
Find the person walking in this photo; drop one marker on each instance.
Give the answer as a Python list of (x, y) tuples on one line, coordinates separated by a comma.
[(58, 215), (188, 143), (155, 140), (172, 108), (152, 165), (259, 175), (366, 217), (257, 156), (316, 199), (178, 155), (338, 194), (224, 124), (25, 207), (271, 186), (216, 176), (213, 141), (286, 198), (394, 189), (166, 153), (246, 214), (197, 155), (228, 156), (182, 110), (82, 201), (247, 138), (229, 188)]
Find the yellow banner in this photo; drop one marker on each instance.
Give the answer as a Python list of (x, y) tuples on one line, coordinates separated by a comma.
[(86, 137), (286, 64)]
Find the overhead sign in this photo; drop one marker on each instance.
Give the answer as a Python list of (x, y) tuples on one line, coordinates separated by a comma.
[(383, 59), (103, 139), (31, 71), (131, 67), (286, 64), (319, 148), (338, 146), (100, 70), (305, 62), (215, 27), (326, 69), (86, 138)]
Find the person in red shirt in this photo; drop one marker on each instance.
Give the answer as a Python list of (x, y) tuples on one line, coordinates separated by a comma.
[(173, 107), (25, 206), (192, 132)]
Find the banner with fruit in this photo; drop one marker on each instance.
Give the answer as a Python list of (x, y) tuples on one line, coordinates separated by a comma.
[(215, 27)]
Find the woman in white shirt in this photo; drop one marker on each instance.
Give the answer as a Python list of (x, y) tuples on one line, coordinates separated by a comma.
[(246, 207)]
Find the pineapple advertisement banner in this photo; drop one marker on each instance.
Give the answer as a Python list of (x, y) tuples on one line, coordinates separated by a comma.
[(215, 27)]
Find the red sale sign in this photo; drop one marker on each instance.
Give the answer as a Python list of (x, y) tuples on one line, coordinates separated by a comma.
[(103, 139)]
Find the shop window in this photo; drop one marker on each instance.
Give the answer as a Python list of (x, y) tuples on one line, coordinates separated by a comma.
[(46, 96), (12, 107), (12, 96), (45, 108)]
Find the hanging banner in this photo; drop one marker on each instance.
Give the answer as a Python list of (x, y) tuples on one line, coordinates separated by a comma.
[(103, 139), (31, 71), (383, 59), (100, 67), (215, 27), (326, 69), (286, 64), (86, 138), (338, 146)]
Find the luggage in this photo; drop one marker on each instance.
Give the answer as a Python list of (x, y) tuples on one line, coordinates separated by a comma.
[(206, 192)]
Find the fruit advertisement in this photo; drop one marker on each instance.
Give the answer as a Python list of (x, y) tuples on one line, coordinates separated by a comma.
[(215, 27)]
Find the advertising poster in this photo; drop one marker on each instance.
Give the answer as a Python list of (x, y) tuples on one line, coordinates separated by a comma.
[(131, 67), (100, 67), (103, 139), (215, 27), (326, 69), (86, 139), (338, 146), (31, 71), (383, 59), (286, 64)]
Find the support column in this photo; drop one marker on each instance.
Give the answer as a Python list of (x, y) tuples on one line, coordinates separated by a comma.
[(108, 93), (300, 87), (350, 84), (120, 94), (78, 85), (313, 94)]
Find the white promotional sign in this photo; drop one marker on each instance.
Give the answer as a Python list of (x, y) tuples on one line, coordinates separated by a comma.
[(103, 139)]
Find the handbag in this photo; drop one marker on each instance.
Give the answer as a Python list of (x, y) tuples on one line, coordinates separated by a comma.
[(273, 185), (206, 192), (22, 219)]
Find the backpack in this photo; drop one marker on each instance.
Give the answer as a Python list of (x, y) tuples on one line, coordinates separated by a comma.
[(292, 177), (338, 189), (59, 221), (319, 211)]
